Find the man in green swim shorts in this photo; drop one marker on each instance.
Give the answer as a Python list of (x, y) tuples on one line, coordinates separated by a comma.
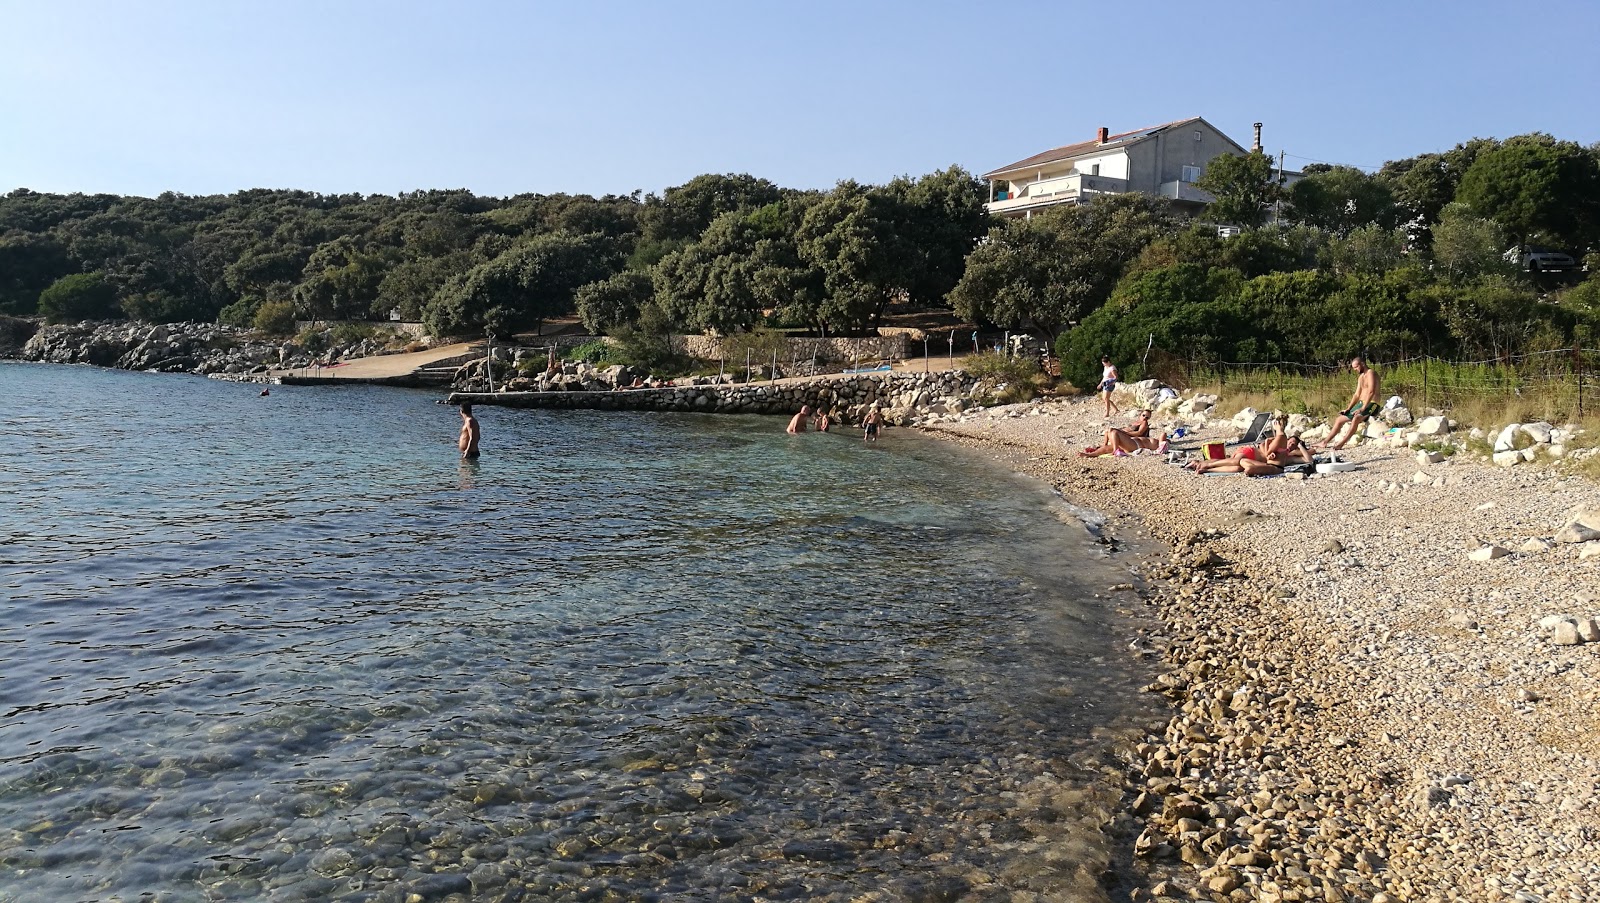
[(1363, 404)]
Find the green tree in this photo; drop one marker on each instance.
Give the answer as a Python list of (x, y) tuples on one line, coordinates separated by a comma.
[(1467, 247), (29, 263), (1059, 266), (81, 296), (610, 303), (1369, 249), (683, 212), (1244, 187), (1183, 310), (1539, 189), (275, 318), (1340, 199), (1424, 184)]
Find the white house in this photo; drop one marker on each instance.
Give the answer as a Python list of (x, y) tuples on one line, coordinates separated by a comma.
[(1162, 161)]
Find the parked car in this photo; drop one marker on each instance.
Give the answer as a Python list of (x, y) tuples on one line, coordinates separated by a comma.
[(1535, 259)]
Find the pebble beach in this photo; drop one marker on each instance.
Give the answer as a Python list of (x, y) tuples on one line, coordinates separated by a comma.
[(1362, 707)]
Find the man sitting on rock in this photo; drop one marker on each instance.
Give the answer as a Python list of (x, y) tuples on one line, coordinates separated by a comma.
[(1363, 404)]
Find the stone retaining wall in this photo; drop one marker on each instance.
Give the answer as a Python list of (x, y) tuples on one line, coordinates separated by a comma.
[(871, 348), (904, 397), (410, 330)]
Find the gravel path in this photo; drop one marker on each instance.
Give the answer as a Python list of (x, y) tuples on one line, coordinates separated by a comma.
[(1361, 712)]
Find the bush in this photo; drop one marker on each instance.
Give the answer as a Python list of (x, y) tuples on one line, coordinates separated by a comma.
[(596, 352), (351, 333), (275, 318), (81, 296), (1021, 377), (241, 313)]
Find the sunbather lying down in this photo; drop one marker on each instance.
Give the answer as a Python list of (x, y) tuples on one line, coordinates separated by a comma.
[(1127, 441), (1266, 458)]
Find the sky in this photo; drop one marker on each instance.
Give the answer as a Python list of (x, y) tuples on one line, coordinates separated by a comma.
[(597, 97)]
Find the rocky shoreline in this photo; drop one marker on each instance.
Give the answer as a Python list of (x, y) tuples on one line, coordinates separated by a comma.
[(1361, 708), (202, 348)]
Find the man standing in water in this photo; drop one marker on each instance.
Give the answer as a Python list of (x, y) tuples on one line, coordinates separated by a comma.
[(797, 424), (470, 433), (871, 425), (1363, 404)]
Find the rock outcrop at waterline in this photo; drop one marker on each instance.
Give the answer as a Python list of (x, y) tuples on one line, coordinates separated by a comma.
[(204, 348), (904, 398)]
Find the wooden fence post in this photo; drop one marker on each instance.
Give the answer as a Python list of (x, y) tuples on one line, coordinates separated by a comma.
[(1577, 354)]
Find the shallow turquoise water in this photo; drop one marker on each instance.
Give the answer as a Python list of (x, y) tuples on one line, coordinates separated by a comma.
[(290, 647)]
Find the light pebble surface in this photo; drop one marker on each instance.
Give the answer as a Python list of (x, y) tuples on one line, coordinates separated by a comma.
[(1361, 711)]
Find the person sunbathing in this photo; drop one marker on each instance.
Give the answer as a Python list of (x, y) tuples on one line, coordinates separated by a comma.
[(1127, 441), (1243, 461)]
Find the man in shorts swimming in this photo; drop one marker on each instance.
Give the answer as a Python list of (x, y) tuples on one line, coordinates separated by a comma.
[(1363, 404)]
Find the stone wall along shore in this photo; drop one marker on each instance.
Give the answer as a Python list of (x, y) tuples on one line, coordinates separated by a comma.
[(871, 348), (905, 398)]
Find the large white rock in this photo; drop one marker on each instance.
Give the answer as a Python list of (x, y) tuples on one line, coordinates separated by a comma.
[(1429, 457), (1577, 532), (1375, 429), (1566, 634), (1584, 517), (1589, 549), (1508, 458), (1549, 622), (1432, 427), (1399, 415), (1507, 439), (1487, 553), (1244, 418), (1589, 630), (1539, 432)]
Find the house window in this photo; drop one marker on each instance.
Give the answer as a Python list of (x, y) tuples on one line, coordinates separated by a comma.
[(1191, 173), (1094, 169)]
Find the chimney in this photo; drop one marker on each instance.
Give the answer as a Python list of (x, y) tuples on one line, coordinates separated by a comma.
[(1103, 135), (1256, 148)]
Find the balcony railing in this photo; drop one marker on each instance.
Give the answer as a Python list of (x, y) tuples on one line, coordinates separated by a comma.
[(1058, 190), (1186, 191)]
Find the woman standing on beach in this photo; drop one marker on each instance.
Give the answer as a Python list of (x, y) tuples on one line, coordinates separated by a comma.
[(1108, 382)]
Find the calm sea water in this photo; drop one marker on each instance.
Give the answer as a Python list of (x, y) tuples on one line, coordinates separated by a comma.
[(291, 648)]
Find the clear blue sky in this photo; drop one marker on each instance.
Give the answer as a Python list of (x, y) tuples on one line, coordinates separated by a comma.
[(207, 96)]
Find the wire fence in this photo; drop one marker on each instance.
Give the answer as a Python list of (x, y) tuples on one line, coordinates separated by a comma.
[(1566, 381)]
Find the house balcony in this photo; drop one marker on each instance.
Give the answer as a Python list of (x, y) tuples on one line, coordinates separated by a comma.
[(1186, 191), (1067, 189)]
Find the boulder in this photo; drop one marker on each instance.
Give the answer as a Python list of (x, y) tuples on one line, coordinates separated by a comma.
[(1487, 553), (1433, 427), (1244, 418), (1429, 457), (1507, 458), (1588, 550), (1506, 440), (1566, 634), (1539, 432), (1399, 415), (1588, 630), (1577, 532)]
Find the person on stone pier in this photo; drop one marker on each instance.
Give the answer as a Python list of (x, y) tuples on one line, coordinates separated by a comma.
[(797, 423), (470, 433), (872, 424), (1363, 404)]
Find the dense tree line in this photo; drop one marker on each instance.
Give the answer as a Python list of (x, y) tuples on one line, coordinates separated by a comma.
[(723, 253), (1408, 259)]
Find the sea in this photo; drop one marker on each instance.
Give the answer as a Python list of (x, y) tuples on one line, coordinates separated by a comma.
[(288, 646)]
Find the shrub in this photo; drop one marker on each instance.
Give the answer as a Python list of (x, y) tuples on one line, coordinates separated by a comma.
[(81, 296), (241, 313), (595, 352), (1020, 377), (275, 318), (351, 333)]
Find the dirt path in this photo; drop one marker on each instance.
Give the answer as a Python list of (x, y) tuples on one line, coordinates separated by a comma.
[(386, 366)]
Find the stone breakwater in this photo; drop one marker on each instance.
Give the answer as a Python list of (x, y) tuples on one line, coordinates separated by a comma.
[(204, 348), (905, 398), (1360, 709)]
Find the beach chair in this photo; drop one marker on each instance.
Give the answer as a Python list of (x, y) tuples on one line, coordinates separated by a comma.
[(1253, 433)]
